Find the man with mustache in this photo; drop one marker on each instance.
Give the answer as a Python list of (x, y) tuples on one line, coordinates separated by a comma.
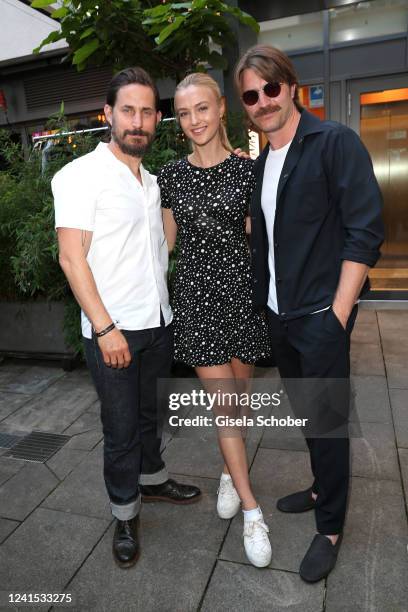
[(316, 230), (113, 252)]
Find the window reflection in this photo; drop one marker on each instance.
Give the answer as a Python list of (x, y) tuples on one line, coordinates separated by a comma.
[(367, 20), (290, 33)]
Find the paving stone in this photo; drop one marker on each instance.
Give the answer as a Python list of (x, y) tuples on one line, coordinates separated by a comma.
[(54, 409), (399, 404), (8, 468), (272, 439), (85, 441), (396, 367), (393, 319), (26, 490), (365, 315), (9, 373), (7, 527), (32, 379), (45, 551), (10, 402), (290, 535), (370, 399), (403, 457), (87, 421), (366, 333), (247, 589), (371, 571), (366, 359), (175, 563), (375, 454), (200, 457), (65, 460), (83, 490), (276, 473)]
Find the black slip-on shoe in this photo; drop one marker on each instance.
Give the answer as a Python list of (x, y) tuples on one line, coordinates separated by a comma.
[(170, 491), (302, 501), (320, 558), (125, 545)]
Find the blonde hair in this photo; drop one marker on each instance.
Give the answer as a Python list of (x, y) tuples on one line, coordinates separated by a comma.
[(200, 79)]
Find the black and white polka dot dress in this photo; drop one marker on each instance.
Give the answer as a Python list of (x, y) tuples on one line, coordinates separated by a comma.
[(212, 299)]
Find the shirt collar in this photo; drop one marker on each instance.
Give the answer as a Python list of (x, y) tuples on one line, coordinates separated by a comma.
[(308, 124), (103, 149)]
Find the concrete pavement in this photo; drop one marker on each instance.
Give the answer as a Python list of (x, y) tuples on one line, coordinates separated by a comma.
[(56, 528)]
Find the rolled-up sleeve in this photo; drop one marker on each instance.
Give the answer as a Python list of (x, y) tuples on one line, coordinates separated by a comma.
[(355, 190)]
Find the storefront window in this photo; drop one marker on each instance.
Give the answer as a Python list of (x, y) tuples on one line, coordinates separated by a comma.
[(367, 20), (311, 97), (291, 33)]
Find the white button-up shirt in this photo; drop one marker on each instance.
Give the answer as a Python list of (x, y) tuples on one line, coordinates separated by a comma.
[(128, 255)]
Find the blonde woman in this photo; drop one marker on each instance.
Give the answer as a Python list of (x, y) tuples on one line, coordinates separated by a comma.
[(205, 199)]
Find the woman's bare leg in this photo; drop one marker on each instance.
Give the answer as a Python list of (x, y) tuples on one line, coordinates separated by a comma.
[(233, 447)]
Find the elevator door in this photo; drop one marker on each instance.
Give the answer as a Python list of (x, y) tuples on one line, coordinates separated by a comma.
[(378, 111)]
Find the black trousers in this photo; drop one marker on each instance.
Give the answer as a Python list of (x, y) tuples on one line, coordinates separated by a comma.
[(131, 415), (317, 347)]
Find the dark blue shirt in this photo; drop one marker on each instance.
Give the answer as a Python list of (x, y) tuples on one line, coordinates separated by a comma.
[(328, 209)]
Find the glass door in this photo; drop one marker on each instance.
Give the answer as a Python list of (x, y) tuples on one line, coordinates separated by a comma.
[(378, 112)]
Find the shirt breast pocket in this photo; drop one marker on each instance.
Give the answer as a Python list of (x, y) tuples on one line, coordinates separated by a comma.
[(311, 199)]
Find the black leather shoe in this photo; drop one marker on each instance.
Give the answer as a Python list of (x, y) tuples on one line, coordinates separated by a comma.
[(302, 501), (320, 559), (170, 491), (125, 546)]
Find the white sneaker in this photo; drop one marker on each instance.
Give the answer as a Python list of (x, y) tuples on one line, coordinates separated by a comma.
[(228, 502), (256, 542)]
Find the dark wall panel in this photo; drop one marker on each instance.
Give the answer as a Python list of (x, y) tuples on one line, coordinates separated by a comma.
[(263, 11), (309, 66), (385, 56)]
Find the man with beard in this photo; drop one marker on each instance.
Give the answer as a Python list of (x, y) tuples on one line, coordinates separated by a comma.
[(113, 252), (316, 231)]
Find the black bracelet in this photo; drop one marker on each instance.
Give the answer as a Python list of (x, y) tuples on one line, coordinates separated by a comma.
[(104, 331)]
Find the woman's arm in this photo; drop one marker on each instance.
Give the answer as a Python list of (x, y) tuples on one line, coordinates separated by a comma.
[(170, 228)]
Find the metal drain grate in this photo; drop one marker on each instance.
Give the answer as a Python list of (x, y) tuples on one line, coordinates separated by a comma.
[(37, 446), (8, 440)]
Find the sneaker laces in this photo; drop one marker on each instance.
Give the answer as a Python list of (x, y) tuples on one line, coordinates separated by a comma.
[(227, 489), (256, 531)]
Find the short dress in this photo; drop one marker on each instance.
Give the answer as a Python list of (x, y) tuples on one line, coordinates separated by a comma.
[(214, 320)]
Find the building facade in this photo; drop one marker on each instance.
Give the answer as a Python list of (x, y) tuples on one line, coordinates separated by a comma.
[(352, 62)]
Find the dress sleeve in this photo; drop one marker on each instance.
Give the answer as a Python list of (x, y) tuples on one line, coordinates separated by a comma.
[(165, 189)]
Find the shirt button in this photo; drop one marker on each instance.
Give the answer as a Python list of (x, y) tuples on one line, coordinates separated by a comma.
[(255, 281), (300, 140), (276, 245), (285, 175), (278, 280), (254, 251)]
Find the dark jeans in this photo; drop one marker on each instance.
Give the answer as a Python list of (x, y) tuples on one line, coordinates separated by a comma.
[(317, 347), (130, 415)]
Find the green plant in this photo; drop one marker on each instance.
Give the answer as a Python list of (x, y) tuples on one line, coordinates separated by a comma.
[(169, 39), (29, 266)]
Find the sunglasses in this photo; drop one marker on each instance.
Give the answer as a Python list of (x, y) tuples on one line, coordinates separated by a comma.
[(251, 96)]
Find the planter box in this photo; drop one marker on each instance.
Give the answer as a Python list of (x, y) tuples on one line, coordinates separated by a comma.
[(33, 329)]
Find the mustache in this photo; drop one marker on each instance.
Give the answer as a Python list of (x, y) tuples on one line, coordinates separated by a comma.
[(266, 110), (136, 133)]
